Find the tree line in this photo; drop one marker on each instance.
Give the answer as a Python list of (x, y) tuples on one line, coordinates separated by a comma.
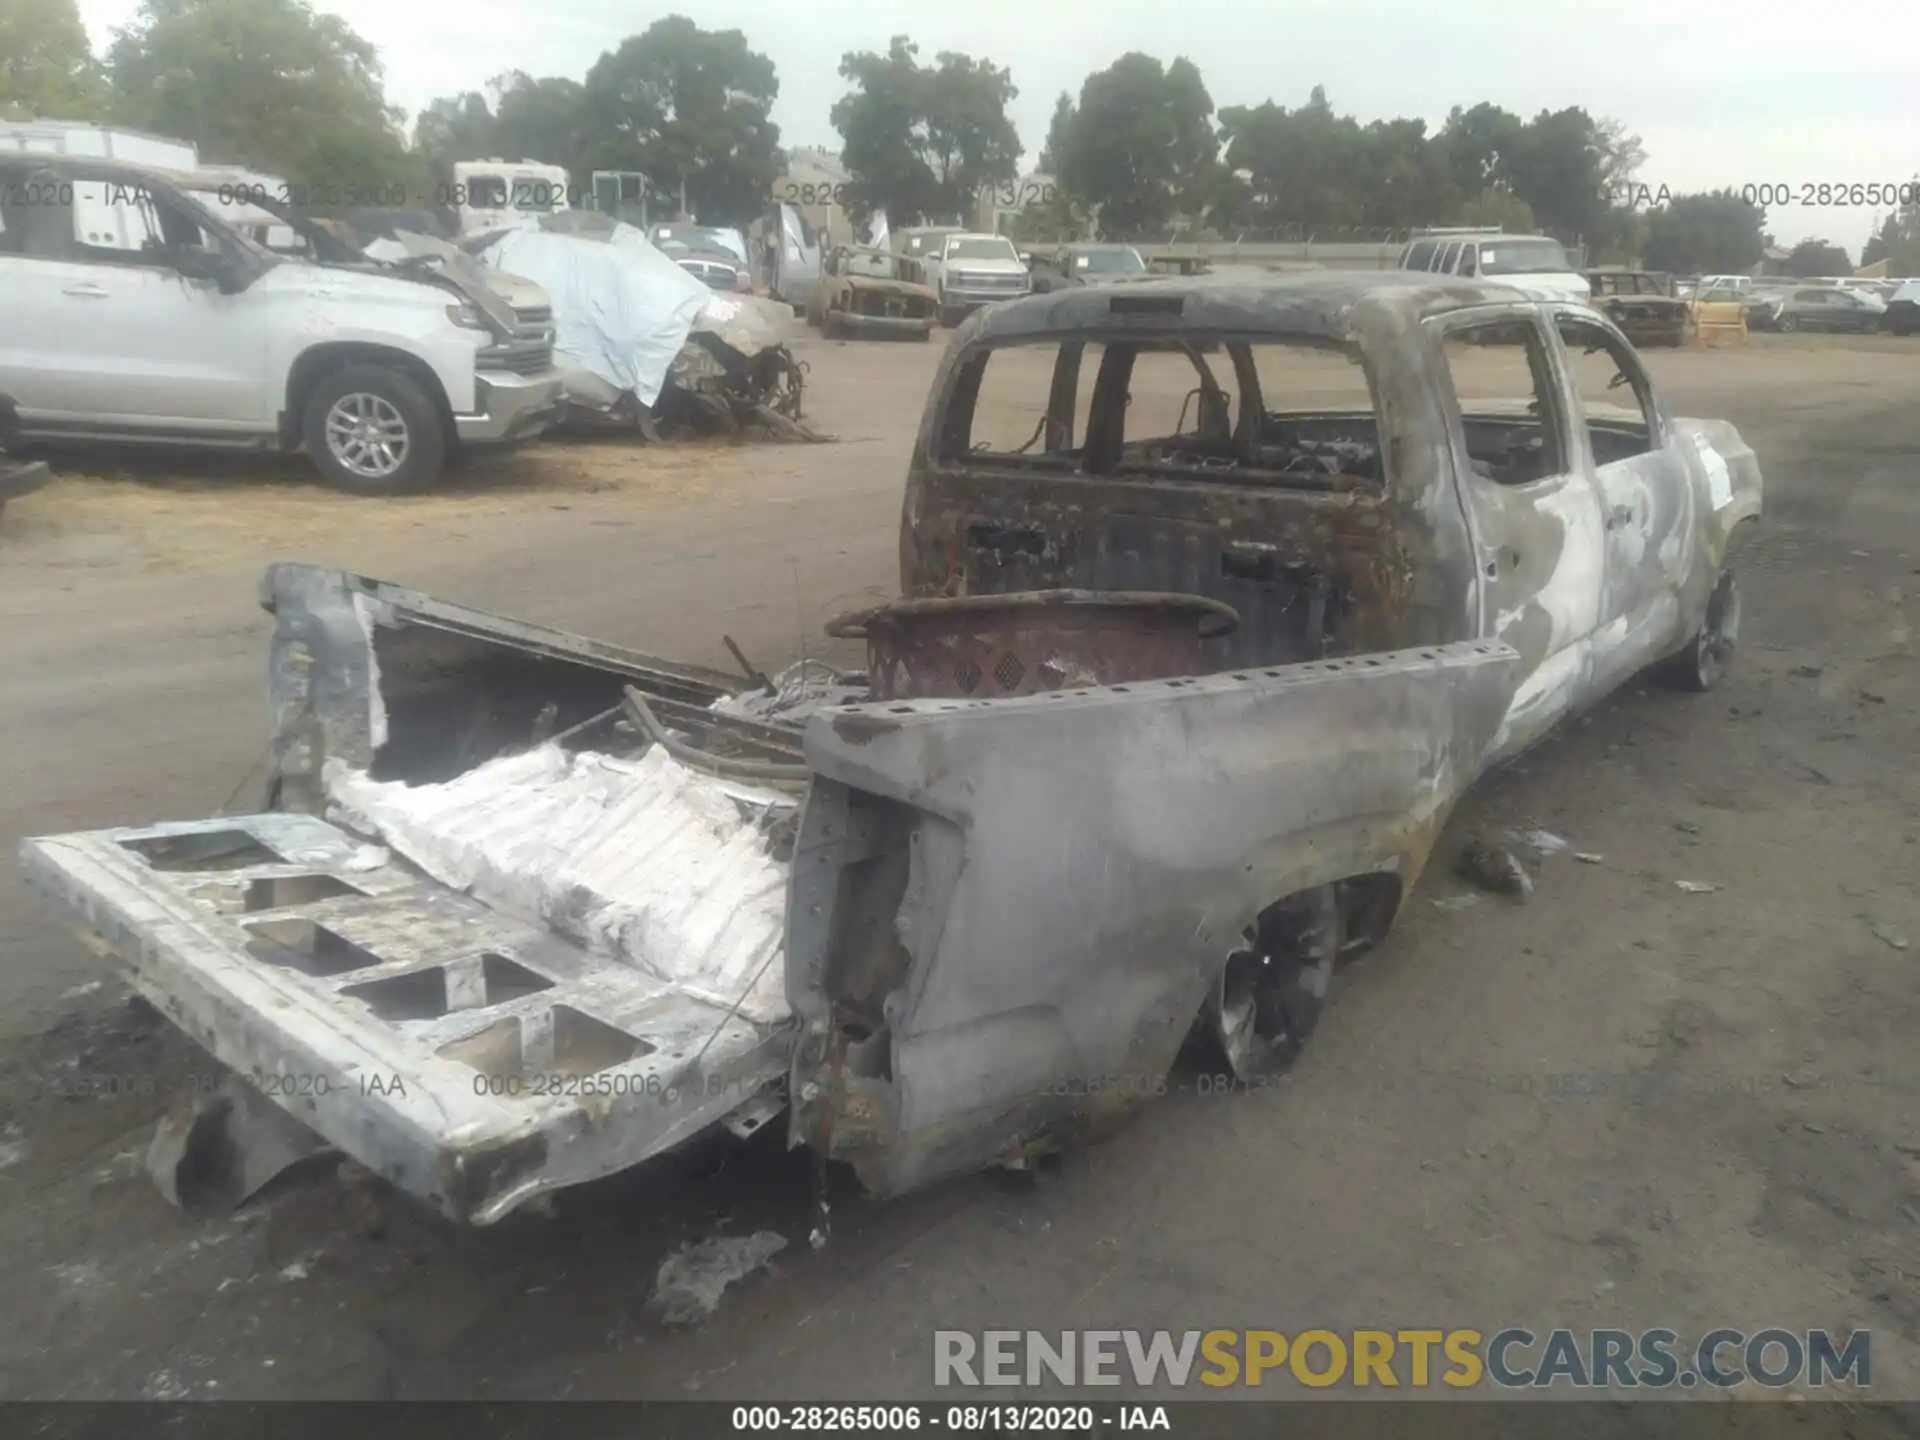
[(1139, 153)]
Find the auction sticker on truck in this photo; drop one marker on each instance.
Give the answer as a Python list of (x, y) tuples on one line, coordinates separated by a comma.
[(1719, 480)]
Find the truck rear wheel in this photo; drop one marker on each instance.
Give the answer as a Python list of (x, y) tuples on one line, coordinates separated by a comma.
[(372, 430), (1267, 998), (1705, 659)]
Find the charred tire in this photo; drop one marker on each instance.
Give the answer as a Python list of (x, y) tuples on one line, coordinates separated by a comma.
[(830, 325), (1700, 665), (1788, 323), (1267, 998), (372, 430)]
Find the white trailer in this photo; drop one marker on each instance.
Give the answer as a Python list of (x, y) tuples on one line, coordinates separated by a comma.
[(77, 137), (494, 194)]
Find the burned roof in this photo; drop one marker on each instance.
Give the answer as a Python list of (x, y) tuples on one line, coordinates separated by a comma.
[(1315, 304)]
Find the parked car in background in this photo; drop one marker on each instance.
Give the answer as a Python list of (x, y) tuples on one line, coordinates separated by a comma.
[(1074, 265), (705, 258), (1817, 307), (1758, 308), (1642, 304), (864, 291), (1537, 264), (1903, 308), (971, 270), (921, 242), (177, 329), (701, 237)]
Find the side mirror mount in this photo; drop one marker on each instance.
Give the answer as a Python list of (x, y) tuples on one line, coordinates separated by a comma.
[(194, 263)]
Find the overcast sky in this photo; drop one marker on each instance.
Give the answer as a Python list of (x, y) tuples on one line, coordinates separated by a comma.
[(1722, 93)]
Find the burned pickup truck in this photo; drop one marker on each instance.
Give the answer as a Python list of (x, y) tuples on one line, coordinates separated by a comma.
[(1217, 598)]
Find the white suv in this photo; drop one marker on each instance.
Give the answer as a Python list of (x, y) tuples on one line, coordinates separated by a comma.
[(167, 326), (1537, 265)]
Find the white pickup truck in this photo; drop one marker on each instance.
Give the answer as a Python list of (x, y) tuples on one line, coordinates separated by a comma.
[(176, 329), (970, 271)]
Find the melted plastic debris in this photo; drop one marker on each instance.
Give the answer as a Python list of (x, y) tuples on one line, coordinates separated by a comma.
[(693, 1278)]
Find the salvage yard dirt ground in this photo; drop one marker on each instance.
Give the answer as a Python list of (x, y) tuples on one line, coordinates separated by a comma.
[(1622, 1104)]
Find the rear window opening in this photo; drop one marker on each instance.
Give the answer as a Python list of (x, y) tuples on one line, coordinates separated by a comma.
[(1171, 404)]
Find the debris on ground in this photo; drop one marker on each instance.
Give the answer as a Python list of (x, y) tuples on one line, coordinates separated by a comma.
[(1493, 867), (692, 1279), (1891, 935), (799, 689), (1588, 859), (216, 1149), (1465, 900), (1541, 842), (1696, 887)]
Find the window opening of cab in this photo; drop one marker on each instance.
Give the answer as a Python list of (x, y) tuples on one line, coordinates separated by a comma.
[(1259, 411), (1503, 388)]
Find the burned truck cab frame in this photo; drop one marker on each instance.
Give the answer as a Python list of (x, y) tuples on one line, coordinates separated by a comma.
[(1425, 588)]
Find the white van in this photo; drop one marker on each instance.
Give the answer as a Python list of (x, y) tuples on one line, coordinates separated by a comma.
[(1535, 264)]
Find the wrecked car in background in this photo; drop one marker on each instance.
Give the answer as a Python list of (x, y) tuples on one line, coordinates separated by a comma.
[(865, 291), (1644, 305), (1183, 684), (646, 344), (1088, 264)]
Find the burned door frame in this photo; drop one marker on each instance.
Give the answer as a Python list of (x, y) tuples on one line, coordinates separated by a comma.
[(1539, 546), (1645, 506)]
